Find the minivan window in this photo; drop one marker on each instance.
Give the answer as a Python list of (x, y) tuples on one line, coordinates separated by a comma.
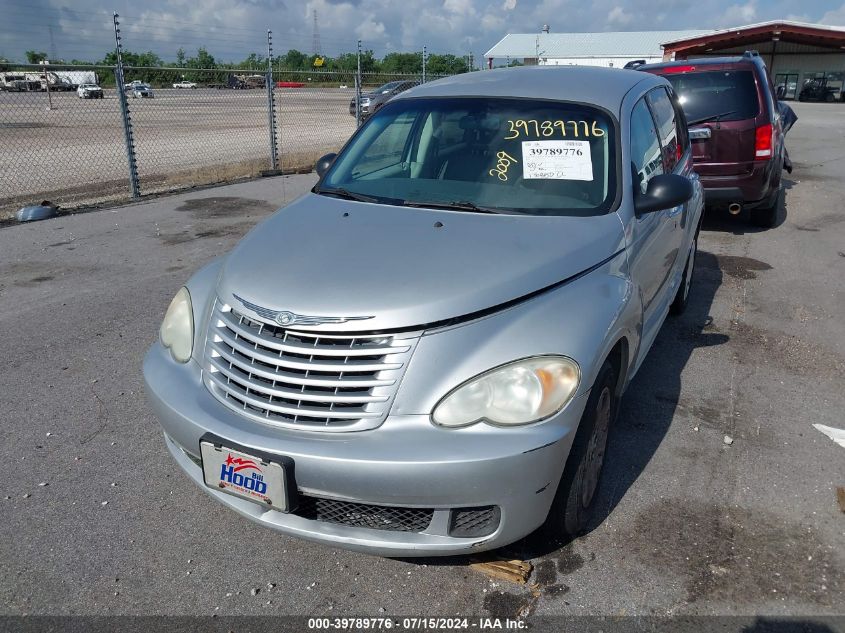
[(645, 146), (664, 116), (704, 95), (483, 154)]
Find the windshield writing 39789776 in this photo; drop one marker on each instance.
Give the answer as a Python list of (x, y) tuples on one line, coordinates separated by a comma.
[(508, 155)]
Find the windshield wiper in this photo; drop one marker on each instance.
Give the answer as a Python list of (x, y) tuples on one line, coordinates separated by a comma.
[(345, 193), (460, 205), (712, 117)]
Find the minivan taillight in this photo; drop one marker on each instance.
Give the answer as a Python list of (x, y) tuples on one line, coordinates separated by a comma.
[(763, 142)]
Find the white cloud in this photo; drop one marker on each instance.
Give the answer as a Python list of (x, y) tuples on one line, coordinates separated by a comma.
[(509, 5), (618, 17), (835, 17), (370, 29), (738, 14), (459, 7)]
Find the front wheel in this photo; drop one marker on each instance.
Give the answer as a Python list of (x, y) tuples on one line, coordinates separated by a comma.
[(576, 493)]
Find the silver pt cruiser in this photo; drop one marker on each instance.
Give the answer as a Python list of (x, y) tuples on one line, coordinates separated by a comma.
[(425, 354)]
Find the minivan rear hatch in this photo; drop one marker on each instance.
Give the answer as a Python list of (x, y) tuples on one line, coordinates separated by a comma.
[(722, 105)]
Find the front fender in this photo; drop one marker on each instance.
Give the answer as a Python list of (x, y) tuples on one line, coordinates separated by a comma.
[(583, 320), (202, 286)]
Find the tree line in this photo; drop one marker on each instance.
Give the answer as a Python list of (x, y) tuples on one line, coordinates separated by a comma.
[(292, 60)]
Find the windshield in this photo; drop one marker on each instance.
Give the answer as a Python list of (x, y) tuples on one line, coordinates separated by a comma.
[(388, 87), (707, 95), (501, 155)]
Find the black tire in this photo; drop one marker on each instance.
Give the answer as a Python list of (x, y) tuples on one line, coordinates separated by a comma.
[(576, 493), (768, 216), (679, 303), (829, 98)]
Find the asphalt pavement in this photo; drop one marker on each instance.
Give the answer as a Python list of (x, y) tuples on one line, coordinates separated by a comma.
[(719, 495)]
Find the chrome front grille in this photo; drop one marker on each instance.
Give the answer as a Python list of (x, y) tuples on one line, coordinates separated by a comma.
[(294, 378)]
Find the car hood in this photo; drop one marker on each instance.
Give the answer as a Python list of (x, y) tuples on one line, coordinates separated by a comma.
[(404, 267)]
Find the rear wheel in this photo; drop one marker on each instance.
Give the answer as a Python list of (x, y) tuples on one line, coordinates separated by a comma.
[(829, 97), (576, 493), (767, 216)]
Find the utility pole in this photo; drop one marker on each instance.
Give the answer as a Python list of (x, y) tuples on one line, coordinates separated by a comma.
[(124, 110), (271, 105), (471, 62), (315, 42), (358, 89), (47, 83), (423, 60)]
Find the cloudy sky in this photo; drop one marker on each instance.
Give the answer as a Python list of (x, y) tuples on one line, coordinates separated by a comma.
[(231, 29)]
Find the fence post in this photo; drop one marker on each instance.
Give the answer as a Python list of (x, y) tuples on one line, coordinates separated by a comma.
[(423, 60), (124, 111), (358, 89), (271, 106)]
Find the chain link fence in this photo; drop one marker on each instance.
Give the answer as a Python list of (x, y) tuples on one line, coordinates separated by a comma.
[(180, 127), (58, 145)]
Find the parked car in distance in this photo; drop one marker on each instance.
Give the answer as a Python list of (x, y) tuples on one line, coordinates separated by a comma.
[(132, 84), (735, 128), (373, 100), (89, 91), (184, 84), (819, 89), (425, 354), (142, 90)]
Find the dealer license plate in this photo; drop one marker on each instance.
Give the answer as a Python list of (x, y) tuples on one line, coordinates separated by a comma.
[(245, 476)]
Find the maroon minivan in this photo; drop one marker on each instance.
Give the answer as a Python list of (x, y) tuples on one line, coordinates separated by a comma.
[(735, 129)]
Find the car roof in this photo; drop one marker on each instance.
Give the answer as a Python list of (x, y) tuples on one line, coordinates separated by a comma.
[(604, 87), (704, 61)]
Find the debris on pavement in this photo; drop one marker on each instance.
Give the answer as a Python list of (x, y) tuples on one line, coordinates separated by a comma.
[(837, 435), (840, 497), (516, 571), (728, 440), (42, 211)]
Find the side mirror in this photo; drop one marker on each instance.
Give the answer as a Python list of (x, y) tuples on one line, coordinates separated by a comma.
[(323, 163), (664, 191)]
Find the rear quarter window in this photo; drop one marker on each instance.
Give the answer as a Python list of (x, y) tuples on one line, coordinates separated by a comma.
[(707, 94)]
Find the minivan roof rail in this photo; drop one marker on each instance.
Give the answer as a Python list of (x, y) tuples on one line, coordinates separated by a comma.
[(751, 53)]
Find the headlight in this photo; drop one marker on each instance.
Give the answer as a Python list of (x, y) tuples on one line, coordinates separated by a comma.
[(521, 392), (177, 329)]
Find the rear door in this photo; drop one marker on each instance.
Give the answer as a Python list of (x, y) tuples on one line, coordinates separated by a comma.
[(721, 106)]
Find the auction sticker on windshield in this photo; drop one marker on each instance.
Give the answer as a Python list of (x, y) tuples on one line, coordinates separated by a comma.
[(557, 160), (243, 475)]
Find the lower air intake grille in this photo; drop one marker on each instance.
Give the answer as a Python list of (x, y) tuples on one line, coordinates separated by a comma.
[(363, 515), (470, 522)]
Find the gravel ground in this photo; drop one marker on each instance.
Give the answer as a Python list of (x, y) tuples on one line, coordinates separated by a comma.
[(75, 152), (688, 522)]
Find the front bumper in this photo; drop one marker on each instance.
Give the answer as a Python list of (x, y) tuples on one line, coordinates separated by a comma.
[(406, 462)]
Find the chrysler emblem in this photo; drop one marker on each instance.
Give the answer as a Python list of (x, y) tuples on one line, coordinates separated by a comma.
[(286, 318)]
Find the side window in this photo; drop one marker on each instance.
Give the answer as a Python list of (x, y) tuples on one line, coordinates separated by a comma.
[(681, 123), (388, 147), (664, 116), (645, 147)]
